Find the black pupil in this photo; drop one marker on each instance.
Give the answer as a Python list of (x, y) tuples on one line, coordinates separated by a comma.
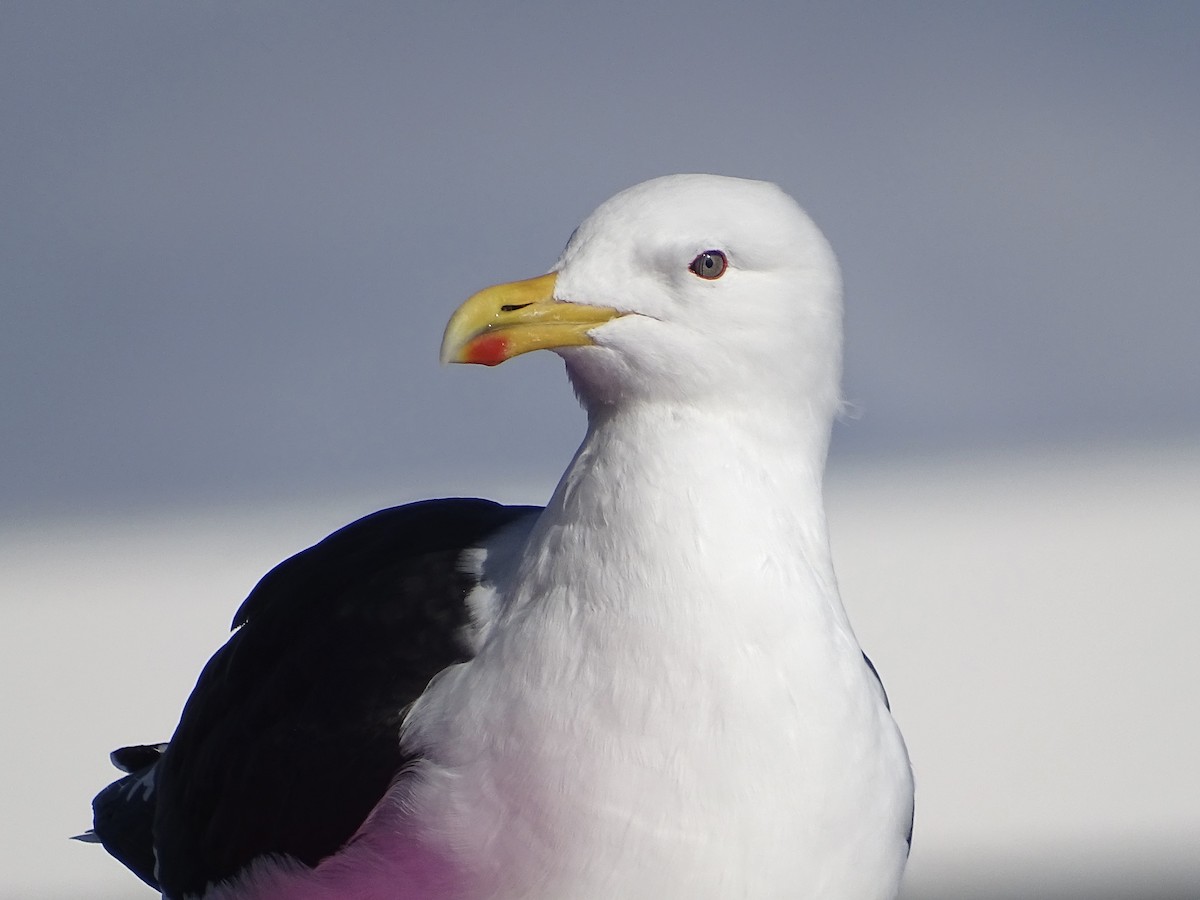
[(710, 264)]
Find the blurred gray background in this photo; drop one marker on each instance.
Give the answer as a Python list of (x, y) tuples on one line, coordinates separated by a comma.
[(232, 232), (230, 235)]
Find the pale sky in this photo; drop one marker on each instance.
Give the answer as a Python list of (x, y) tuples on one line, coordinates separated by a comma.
[(230, 234)]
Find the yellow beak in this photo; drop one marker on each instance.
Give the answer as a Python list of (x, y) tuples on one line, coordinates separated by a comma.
[(507, 320)]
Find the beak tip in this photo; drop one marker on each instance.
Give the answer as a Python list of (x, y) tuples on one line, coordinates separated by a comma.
[(484, 331), (453, 344)]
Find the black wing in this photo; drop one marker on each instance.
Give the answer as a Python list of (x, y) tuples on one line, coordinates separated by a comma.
[(291, 735), (913, 811)]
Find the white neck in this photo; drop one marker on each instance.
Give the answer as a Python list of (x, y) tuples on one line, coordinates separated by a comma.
[(696, 504)]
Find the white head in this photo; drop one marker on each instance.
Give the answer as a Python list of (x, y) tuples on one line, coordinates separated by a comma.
[(687, 288)]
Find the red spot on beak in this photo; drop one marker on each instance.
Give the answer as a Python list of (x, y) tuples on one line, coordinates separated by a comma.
[(488, 350)]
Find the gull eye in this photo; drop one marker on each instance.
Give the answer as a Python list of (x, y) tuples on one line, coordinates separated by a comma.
[(710, 264)]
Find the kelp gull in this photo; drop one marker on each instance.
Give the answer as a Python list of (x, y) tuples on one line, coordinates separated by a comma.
[(647, 689)]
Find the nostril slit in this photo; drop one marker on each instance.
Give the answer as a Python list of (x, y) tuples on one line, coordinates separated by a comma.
[(513, 307)]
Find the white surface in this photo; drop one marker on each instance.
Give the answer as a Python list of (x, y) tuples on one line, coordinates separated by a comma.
[(1034, 621)]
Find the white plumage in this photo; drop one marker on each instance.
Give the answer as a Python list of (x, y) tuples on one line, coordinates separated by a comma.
[(667, 699)]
